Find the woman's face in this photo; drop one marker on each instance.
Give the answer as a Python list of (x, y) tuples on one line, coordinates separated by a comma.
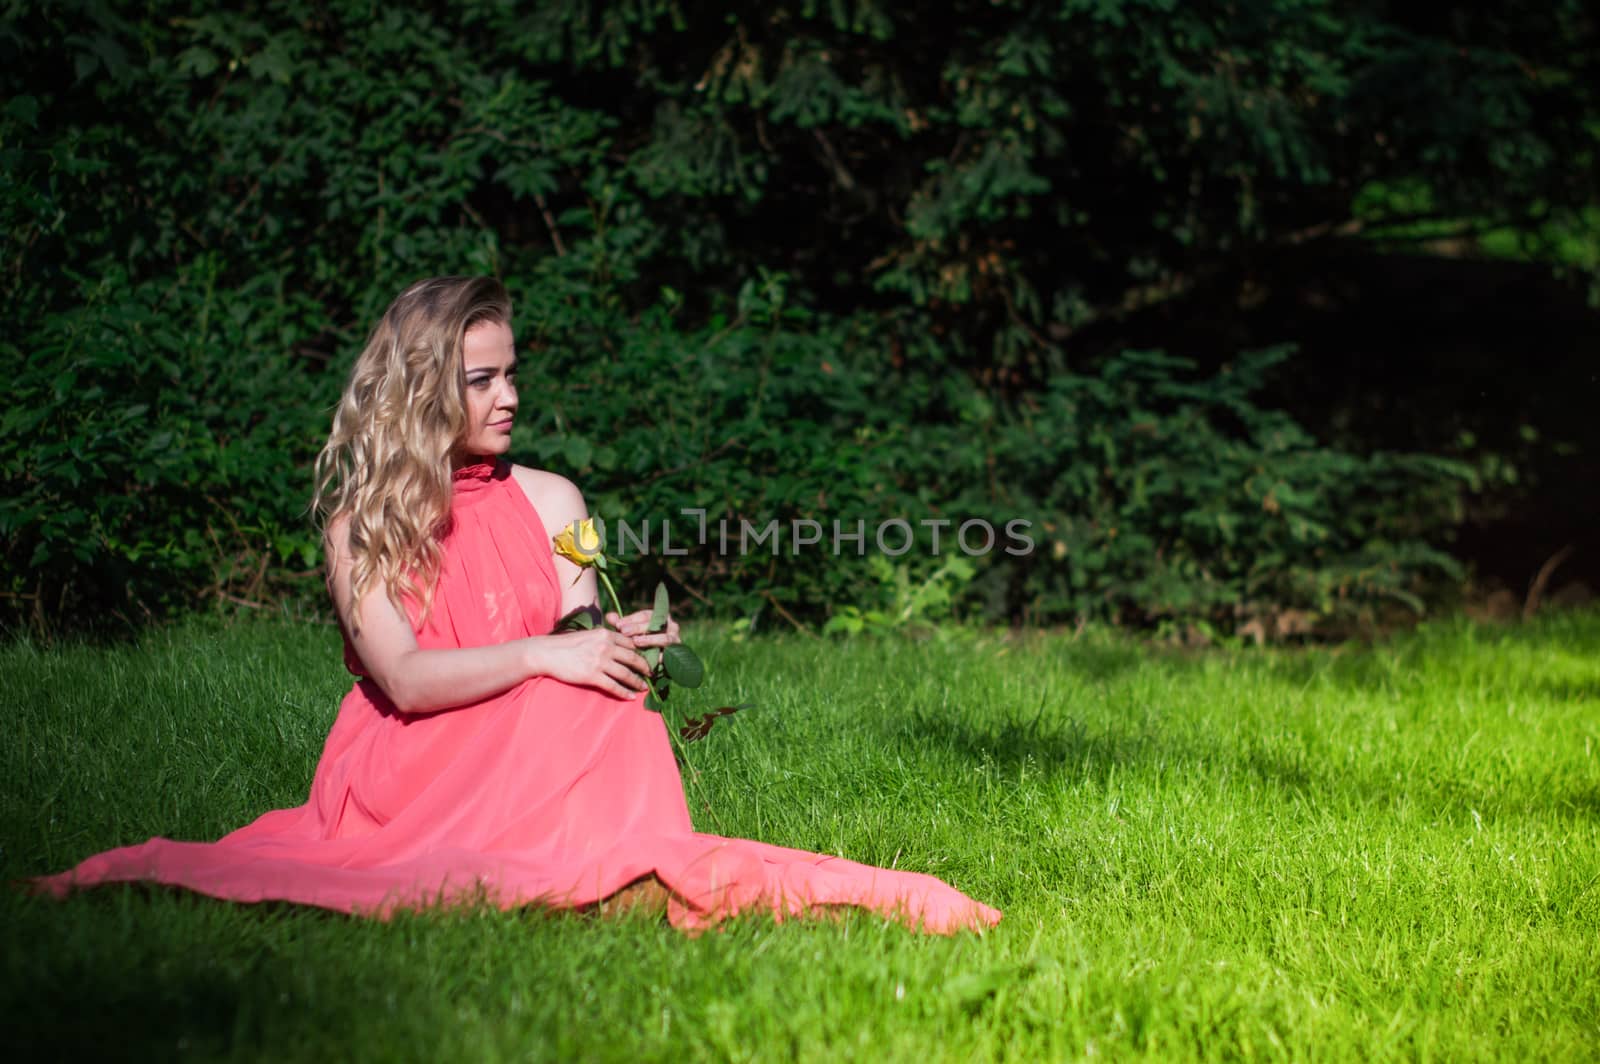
[(489, 357)]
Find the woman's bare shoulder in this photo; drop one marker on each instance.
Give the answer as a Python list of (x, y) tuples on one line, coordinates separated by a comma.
[(542, 485), (556, 499)]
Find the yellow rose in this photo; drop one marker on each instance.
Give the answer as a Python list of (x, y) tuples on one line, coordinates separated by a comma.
[(579, 543)]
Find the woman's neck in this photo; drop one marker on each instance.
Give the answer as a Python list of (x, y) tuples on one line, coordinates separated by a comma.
[(462, 459)]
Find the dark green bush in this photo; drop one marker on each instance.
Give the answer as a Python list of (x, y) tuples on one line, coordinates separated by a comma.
[(1151, 493), (155, 449), (1164, 494), (804, 261), (157, 455)]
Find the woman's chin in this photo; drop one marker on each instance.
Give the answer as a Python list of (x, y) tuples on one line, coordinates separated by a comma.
[(490, 443)]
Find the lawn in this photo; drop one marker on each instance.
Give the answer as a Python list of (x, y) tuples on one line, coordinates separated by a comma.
[(1387, 852)]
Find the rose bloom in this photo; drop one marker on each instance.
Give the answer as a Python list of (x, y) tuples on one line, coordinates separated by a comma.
[(579, 542)]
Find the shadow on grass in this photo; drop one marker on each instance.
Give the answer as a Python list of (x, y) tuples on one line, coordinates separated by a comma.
[(1438, 795), (127, 979), (140, 971), (1443, 651), (1107, 662), (1566, 690), (84, 1012), (1052, 745), (1095, 757)]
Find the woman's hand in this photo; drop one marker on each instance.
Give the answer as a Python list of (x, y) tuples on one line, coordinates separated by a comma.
[(636, 626), (597, 658)]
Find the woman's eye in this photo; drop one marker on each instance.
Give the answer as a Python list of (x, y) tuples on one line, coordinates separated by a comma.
[(479, 382)]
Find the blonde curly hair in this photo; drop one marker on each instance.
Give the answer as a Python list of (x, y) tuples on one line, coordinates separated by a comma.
[(386, 465)]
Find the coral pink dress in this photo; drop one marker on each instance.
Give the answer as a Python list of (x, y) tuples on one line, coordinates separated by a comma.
[(547, 794)]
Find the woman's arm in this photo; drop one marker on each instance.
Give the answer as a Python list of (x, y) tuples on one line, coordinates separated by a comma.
[(559, 505), (424, 681)]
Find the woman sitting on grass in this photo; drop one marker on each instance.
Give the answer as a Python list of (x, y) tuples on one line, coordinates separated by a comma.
[(478, 755)]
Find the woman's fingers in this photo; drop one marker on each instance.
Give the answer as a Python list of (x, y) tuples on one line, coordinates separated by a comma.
[(638, 624), (632, 624), (659, 639), (618, 688), (629, 676), (633, 660), (622, 660), (624, 669), (613, 674), (605, 660), (625, 680)]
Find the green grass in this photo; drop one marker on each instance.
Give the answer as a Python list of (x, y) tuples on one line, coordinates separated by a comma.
[(1351, 853)]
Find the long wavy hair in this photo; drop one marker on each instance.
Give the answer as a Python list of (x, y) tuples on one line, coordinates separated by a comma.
[(386, 465)]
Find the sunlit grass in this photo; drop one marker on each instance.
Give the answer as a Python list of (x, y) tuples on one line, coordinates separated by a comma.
[(1353, 853)]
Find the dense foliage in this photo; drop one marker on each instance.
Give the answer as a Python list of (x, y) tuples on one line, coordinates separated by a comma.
[(803, 261)]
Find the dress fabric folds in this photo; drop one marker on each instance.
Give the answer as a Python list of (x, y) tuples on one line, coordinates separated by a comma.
[(547, 794)]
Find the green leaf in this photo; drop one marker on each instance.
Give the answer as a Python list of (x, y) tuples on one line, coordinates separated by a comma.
[(658, 623), (24, 109), (683, 665), (577, 451), (197, 62), (659, 614), (579, 620)]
